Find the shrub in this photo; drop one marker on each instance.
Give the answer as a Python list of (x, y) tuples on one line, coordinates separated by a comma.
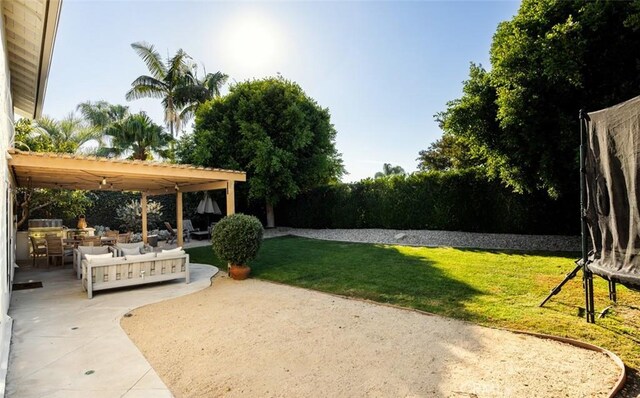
[(237, 238), (131, 215)]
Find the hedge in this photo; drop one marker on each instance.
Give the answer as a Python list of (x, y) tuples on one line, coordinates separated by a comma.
[(456, 201), (105, 203)]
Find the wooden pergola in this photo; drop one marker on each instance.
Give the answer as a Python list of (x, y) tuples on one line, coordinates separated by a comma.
[(68, 171)]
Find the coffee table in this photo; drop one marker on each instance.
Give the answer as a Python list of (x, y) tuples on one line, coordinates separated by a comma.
[(200, 235)]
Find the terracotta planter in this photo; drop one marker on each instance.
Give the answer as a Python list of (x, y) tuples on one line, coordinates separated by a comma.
[(239, 272)]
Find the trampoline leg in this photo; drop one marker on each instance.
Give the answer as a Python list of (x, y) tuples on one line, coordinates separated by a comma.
[(612, 291), (589, 305)]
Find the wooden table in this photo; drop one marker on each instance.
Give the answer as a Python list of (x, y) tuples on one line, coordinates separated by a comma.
[(73, 243), (108, 240)]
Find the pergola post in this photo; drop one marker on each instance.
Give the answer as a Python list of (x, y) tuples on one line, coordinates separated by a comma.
[(143, 205), (231, 198), (179, 227)]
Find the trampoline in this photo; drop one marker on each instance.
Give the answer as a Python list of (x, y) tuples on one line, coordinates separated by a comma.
[(610, 193)]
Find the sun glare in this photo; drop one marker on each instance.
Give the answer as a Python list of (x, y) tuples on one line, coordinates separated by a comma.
[(252, 43)]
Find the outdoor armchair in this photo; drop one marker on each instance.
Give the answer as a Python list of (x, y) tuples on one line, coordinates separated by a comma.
[(38, 249), (55, 248), (173, 233)]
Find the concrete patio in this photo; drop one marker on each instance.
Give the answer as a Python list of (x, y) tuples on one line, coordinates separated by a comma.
[(65, 345)]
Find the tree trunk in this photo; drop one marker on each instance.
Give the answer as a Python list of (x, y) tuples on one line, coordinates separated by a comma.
[(270, 216)]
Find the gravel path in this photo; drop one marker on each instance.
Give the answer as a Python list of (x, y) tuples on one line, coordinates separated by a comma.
[(260, 339), (438, 238)]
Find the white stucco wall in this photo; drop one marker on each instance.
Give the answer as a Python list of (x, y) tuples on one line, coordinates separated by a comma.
[(7, 230)]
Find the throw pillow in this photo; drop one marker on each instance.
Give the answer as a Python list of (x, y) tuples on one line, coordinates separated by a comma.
[(130, 252)]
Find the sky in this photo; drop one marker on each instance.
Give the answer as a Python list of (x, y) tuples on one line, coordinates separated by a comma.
[(383, 69)]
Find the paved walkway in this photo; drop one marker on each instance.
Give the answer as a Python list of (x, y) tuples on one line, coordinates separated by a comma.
[(65, 345)]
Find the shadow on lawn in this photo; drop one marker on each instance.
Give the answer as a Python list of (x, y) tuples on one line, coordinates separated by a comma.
[(374, 272)]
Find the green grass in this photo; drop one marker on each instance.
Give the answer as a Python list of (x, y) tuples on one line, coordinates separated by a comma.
[(492, 288)]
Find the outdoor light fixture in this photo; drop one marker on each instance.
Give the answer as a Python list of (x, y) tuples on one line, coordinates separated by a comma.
[(104, 180), (177, 188)]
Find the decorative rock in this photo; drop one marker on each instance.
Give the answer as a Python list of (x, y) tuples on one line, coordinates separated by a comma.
[(437, 238)]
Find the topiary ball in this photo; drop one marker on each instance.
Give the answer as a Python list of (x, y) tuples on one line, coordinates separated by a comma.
[(237, 238)]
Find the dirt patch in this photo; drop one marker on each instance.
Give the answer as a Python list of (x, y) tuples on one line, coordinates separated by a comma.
[(256, 338)]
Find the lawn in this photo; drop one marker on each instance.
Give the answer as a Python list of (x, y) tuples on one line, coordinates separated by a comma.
[(492, 288)]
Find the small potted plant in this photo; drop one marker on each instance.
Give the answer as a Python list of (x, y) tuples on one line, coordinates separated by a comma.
[(237, 239)]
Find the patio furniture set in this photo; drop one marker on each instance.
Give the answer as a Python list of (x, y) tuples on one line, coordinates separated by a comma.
[(112, 261), (127, 264), (53, 246)]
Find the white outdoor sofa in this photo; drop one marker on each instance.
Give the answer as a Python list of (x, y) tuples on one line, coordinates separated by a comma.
[(130, 270), (79, 255), (80, 252)]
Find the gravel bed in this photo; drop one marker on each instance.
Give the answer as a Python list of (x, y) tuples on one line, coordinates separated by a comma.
[(437, 238)]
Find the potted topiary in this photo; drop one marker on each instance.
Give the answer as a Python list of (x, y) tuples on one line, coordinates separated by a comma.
[(237, 239)]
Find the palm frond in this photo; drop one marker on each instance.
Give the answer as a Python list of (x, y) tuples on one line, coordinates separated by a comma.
[(151, 58), (142, 91), (213, 82)]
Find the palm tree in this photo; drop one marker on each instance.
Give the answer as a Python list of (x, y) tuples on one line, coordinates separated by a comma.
[(101, 114), (388, 170), (138, 135), (201, 91), (69, 133), (165, 81)]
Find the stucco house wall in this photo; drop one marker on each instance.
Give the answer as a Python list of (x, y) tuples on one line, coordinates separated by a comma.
[(7, 224)]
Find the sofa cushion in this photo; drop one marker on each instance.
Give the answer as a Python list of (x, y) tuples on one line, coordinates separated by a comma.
[(176, 250), (104, 261), (92, 257), (170, 254), (92, 250), (140, 257), (131, 252)]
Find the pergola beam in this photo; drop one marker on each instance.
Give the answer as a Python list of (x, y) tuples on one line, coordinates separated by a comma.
[(208, 186), (23, 162)]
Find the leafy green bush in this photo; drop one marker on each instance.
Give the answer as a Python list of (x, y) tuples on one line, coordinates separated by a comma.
[(130, 214), (237, 238)]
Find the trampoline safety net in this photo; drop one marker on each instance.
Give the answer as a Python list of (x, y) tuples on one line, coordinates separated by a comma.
[(613, 192)]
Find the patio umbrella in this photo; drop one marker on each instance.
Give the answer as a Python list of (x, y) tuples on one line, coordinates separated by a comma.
[(208, 206)]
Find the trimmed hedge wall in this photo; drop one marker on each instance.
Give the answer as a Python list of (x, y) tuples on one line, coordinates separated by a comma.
[(456, 201)]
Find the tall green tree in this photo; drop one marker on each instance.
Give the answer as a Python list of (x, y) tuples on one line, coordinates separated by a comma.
[(176, 82), (450, 153), (138, 137), (389, 170), (553, 58), (271, 129), (166, 81), (54, 137)]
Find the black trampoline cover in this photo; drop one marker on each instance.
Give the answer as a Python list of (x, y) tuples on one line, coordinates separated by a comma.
[(613, 191)]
